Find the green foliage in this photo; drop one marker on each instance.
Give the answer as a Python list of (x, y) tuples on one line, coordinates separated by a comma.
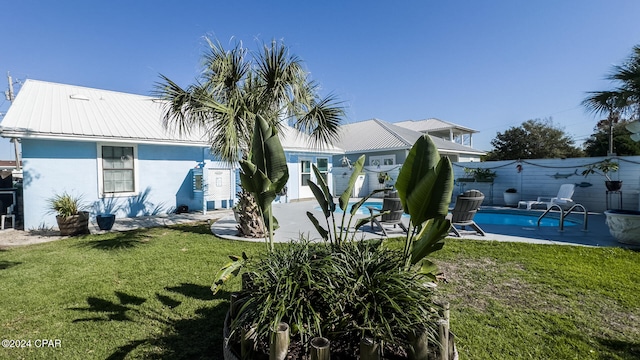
[(325, 200), (481, 174), (425, 185), (598, 143), (65, 204), (373, 297), (534, 139), (108, 293), (229, 270), (287, 284), (624, 99), (236, 85), (345, 292), (605, 167), (265, 174)]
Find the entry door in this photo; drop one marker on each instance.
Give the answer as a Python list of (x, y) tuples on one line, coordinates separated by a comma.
[(305, 176)]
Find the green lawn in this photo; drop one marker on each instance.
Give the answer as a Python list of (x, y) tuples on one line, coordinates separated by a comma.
[(145, 294)]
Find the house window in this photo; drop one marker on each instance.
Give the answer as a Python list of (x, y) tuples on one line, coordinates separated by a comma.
[(323, 167), (382, 160), (305, 172), (118, 171)]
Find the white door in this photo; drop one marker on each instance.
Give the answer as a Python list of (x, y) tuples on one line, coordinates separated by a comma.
[(305, 175)]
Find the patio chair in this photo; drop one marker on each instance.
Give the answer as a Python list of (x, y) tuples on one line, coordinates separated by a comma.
[(8, 214), (464, 211), (563, 199), (390, 214)]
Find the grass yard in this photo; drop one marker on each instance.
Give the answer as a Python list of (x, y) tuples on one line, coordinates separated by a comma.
[(145, 294)]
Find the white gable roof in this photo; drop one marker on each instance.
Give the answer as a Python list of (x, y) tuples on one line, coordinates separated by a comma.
[(433, 124), (48, 110), (378, 135), (59, 111)]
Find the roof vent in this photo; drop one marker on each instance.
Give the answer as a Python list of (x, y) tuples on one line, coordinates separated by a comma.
[(79, 97)]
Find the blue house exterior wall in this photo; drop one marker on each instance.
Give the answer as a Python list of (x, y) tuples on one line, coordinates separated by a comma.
[(52, 167)]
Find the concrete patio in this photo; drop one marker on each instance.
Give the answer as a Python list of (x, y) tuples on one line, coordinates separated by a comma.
[(293, 222)]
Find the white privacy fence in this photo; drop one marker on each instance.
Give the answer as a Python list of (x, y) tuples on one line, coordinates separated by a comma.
[(543, 177), (532, 178)]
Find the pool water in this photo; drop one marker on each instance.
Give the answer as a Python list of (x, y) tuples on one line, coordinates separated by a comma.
[(524, 219), (484, 217)]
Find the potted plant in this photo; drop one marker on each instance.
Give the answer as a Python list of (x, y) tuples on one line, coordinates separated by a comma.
[(511, 197), (105, 210), (70, 214), (604, 168), (329, 272), (478, 175), (383, 177)]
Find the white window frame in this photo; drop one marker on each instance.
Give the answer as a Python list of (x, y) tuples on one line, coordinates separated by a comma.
[(136, 168), (310, 173), (325, 173), (379, 160)]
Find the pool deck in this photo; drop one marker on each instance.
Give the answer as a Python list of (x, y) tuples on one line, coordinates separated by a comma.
[(294, 221)]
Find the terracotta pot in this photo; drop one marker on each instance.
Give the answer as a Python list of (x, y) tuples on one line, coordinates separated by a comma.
[(74, 224)]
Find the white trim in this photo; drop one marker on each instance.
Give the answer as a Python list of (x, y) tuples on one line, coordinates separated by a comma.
[(8, 134), (136, 169)]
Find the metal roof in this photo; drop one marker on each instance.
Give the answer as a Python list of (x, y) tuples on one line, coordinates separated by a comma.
[(59, 111), (432, 124), (376, 135)]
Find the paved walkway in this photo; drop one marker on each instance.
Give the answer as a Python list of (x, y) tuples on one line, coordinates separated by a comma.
[(11, 237), (294, 221)]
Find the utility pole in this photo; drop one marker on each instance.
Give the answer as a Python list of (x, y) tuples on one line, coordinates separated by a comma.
[(10, 96)]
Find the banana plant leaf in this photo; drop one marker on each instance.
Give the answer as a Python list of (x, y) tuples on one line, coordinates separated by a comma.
[(425, 182), (346, 195), (429, 240), (228, 271), (323, 232)]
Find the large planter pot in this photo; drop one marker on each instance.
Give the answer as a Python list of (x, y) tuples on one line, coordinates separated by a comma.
[(624, 225), (613, 185), (105, 221), (74, 224), (511, 199)]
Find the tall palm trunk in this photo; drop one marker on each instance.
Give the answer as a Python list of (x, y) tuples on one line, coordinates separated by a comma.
[(250, 222)]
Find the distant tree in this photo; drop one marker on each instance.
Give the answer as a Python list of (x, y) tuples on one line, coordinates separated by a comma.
[(534, 139), (623, 102), (598, 142)]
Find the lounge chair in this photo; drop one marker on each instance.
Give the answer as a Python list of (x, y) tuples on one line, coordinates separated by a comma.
[(390, 214), (464, 211), (563, 199)]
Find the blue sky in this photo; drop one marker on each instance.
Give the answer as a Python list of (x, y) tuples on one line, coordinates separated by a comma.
[(487, 65)]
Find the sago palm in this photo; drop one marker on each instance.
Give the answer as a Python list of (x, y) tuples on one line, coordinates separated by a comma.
[(235, 86)]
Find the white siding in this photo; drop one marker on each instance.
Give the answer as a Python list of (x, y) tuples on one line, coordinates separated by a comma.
[(537, 179)]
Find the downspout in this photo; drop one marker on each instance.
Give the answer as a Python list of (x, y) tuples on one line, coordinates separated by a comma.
[(15, 142)]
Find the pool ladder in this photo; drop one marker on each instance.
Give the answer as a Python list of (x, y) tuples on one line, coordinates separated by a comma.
[(563, 215)]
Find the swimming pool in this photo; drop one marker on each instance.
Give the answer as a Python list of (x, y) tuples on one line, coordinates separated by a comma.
[(487, 217)]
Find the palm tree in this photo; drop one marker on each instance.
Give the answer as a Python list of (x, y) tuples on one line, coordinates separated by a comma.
[(622, 101), (237, 85)]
